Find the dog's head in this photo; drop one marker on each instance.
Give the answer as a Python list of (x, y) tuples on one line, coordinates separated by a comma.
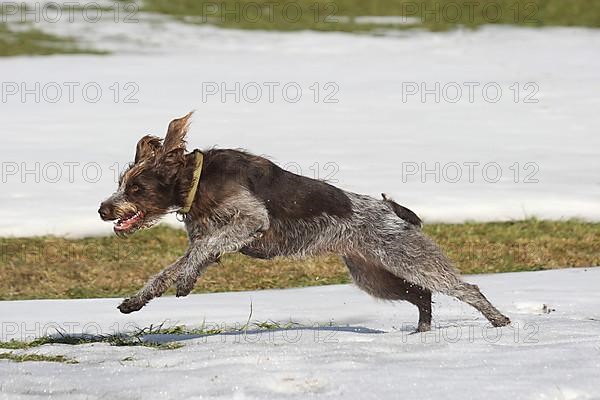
[(156, 183)]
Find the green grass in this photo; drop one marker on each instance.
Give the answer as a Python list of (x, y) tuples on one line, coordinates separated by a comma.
[(32, 41), (143, 337), (23, 38), (55, 267), (35, 357), (326, 15), (339, 15), (134, 339)]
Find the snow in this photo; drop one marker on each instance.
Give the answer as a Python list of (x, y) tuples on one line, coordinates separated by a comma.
[(368, 353), (370, 141)]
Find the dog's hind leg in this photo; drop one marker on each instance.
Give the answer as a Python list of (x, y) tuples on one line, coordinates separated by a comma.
[(471, 295), (416, 258), (375, 280)]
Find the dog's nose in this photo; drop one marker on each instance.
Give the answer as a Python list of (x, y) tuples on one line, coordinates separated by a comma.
[(104, 211)]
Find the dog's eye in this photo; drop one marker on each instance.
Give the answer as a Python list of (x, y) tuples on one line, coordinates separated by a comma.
[(134, 188)]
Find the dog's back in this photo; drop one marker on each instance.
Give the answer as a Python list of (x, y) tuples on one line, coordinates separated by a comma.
[(287, 196)]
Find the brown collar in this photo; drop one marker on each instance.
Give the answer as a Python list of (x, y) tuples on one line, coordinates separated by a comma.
[(195, 180)]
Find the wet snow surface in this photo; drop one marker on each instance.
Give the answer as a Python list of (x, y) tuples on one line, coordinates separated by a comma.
[(532, 152), (367, 353)]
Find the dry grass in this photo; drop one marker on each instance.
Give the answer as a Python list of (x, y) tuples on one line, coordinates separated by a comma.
[(52, 267)]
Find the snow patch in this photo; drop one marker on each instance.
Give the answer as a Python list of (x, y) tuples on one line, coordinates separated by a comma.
[(365, 142), (540, 356)]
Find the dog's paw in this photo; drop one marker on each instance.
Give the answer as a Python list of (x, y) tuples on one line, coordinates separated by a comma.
[(130, 305), (185, 284), (502, 320), (184, 287)]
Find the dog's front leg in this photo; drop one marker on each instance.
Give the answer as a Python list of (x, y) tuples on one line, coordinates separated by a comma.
[(155, 287), (246, 217), (201, 253), (207, 249), (187, 278)]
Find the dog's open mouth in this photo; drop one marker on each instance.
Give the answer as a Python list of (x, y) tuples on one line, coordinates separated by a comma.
[(129, 222)]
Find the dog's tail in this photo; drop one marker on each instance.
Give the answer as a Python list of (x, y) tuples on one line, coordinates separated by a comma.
[(402, 212)]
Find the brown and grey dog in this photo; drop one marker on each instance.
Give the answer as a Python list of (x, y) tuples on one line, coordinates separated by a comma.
[(233, 201)]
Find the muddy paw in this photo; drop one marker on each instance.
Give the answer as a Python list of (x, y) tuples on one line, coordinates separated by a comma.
[(130, 305)]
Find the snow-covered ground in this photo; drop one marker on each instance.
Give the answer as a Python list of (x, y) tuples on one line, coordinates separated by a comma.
[(512, 158), (368, 354)]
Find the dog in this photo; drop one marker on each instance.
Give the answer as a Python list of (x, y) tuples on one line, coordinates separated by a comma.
[(233, 201)]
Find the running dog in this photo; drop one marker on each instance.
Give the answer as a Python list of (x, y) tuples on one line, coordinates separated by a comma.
[(233, 201)]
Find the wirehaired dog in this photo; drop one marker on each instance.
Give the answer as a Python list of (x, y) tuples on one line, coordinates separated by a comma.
[(232, 201)]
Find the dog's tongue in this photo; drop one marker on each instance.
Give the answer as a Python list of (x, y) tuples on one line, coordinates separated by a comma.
[(127, 223)]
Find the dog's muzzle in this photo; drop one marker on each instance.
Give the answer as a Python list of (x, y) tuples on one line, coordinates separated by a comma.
[(106, 212)]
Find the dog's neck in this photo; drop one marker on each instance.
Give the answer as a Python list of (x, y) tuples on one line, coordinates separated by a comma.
[(198, 161)]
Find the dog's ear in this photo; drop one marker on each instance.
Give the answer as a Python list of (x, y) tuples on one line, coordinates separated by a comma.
[(171, 158), (168, 165), (175, 137), (147, 148)]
